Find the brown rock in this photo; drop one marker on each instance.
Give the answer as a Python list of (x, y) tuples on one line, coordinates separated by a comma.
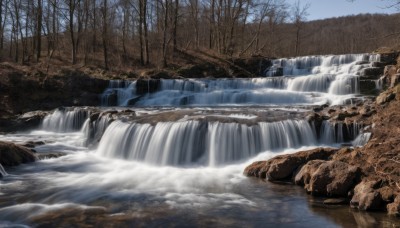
[(330, 178), (256, 169), (366, 197), (394, 80), (282, 167), (389, 70), (394, 208), (12, 154), (303, 177), (387, 193), (385, 97)]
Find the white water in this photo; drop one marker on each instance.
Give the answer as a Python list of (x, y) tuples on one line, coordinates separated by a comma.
[(311, 80), (201, 143), (65, 120)]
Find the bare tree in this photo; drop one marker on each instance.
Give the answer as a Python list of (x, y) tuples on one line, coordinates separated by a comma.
[(299, 15)]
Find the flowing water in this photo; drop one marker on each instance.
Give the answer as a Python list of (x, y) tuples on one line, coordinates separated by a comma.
[(175, 157)]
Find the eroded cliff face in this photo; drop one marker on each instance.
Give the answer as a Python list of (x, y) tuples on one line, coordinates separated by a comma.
[(25, 89)]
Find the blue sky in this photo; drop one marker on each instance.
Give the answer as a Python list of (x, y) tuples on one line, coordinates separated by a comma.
[(320, 9)]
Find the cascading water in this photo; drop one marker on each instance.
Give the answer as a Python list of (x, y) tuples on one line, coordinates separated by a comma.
[(202, 143), (118, 93), (311, 80), (65, 120)]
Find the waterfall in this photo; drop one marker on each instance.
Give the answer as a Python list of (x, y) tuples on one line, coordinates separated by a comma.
[(361, 139), (332, 64), (201, 143), (65, 120), (230, 97), (309, 80), (94, 130), (118, 93), (320, 83)]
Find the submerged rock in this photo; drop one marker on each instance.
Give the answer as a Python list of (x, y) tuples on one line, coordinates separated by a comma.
[(12, 154), (336, 201)]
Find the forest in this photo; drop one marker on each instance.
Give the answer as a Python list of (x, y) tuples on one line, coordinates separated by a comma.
[(115, 33)]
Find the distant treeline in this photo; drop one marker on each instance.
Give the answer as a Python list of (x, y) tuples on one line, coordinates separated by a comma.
[(133, 32)]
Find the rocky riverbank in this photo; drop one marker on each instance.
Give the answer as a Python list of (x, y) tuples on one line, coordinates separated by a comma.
[(366, 178)]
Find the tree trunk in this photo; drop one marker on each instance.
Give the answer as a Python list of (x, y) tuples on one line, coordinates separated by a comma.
[(105, 34), (146, 39), (141, 32), (1, 26), (297, 41), (212, 24), (71, 29), (39, 30), (174, 32), (164, 45)]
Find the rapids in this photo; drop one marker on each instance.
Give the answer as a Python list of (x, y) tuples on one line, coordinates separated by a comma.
[(175, 156)]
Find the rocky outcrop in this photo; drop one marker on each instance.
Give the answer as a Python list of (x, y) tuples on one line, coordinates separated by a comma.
[(26, 91), (367, 196), (284, 166), (328, 178), (12, 154)]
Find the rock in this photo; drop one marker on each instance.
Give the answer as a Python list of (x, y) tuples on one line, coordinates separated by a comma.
[(361, 62), (389, 58), (336, 201), (30, 120), (283, 167), (377, 64), (385, 97), (328, 178), (368, 87), (366, 111), (32, 144), (387, 194), (12, 154), (389, 70), (256, 169), (372, 72), (49, 155), (303, 177), (366, 197), (394, 208), (394, 80)]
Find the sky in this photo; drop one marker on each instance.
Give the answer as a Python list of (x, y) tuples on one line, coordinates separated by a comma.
[(321, 9)]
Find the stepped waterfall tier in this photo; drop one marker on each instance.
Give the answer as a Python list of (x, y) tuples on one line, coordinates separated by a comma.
[(172, 151), (304, 80)]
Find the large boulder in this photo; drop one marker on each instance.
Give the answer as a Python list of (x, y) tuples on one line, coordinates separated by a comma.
[(12, 154), (328, 178), (367, 197), (283, 166)]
